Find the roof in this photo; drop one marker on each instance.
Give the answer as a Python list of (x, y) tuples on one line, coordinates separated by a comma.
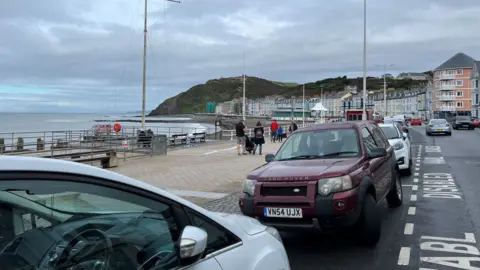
[(459, 60), (15, 163), (334, 125)]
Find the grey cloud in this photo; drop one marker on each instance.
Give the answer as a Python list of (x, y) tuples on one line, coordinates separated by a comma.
[(88, 53)]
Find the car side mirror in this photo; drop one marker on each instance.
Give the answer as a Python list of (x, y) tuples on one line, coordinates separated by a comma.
[(269, 157), (404, 135), (377, 152), (193, 243)]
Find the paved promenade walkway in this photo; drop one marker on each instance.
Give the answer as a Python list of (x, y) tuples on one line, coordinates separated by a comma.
[(199, 174)]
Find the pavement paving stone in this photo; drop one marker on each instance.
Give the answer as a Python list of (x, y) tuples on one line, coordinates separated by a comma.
[(210, 168)]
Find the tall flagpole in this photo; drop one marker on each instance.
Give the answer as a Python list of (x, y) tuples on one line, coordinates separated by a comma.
[(144, 68)]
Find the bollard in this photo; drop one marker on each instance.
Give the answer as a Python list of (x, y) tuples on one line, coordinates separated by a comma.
[(231, 135), (20, 143)]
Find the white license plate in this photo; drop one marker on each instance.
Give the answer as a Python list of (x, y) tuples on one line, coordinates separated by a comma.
[(438, 129), (283, 212)]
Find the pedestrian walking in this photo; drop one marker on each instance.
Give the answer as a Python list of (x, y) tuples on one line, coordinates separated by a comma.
[(273, 131), (241, 140), (292, 127), (280, 133), (259, 138)]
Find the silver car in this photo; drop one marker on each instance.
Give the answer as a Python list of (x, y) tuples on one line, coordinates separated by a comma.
[(438, 126)]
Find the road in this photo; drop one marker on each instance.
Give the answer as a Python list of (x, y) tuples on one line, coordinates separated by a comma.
[(436, 228)]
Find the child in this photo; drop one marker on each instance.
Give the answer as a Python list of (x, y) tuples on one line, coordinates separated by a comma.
[(280, 133)]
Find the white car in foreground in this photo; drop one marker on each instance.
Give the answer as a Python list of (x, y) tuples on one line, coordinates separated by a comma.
[(400, 141), (64, 215)]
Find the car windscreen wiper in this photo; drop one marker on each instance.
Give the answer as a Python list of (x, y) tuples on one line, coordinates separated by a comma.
[(301, 157), (339, 153)]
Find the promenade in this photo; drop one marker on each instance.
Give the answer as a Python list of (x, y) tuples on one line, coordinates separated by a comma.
[(199, 174)]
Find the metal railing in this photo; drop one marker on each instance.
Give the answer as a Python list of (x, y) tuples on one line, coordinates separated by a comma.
[(231, 134), (68, 143)]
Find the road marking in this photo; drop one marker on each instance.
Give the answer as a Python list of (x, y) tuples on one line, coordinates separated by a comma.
[(217, 151), (433, 149), (415, 180), (433, 160), (414, 187), (412, 210), (417, 169), (455, 246), (408, 228), (416, 174), (404, 256), (440, 186), (413, 198)]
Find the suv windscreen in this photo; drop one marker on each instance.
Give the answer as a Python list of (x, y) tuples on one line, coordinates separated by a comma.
[(330, 143), (391, 132)]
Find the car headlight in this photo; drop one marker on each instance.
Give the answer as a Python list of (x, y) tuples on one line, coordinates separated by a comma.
[(398, 145), (274, 233), (335, 184), (249, 186)]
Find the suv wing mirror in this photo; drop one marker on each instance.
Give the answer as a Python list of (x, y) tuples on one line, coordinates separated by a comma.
[(269, 157), (377, 152)]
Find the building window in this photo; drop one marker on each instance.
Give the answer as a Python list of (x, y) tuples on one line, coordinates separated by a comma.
[(459, 71), (450, 71), (476, 83), (460, 104), (460, 94), (459, 83), (476, 99)]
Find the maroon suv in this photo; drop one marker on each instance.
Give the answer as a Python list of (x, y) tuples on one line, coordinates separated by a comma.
[(326, 177)]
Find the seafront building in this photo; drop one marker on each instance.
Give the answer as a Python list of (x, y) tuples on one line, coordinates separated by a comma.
[(417, 102), (455, 87)]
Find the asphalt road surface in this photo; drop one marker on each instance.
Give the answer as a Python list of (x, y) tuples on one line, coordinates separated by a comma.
[(436, 228)]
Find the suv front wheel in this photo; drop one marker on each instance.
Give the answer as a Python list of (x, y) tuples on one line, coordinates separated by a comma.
[(369, 226)]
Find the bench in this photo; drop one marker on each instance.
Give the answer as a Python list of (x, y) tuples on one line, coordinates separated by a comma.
[(201, 136), (145, 140), (181, 137), (109, 160)]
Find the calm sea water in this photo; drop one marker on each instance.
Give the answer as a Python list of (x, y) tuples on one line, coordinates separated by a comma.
[(36, 122)]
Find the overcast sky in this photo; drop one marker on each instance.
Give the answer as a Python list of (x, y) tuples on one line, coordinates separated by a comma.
[(86, 55)]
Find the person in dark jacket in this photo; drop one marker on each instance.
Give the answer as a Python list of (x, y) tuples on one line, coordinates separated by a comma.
[(259, 138), (292, 127), (241, 140)]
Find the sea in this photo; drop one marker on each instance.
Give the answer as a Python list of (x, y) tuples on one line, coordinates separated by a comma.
[(40, 122)]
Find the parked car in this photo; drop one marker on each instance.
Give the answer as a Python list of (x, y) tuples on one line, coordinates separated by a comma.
[(416, 122), (401, 143), (438, 126), (476, 121), (326, 177), (65, 215), (462, 121)]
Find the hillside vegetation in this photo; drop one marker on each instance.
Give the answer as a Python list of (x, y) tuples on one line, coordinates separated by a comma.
[(195, 99)]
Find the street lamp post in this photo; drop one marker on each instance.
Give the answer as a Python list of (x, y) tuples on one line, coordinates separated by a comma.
[(385, 66), (244, 101), (303, 106), (364, 117)]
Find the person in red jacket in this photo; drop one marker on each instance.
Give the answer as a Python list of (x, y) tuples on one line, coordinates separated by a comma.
[(273, 131)]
